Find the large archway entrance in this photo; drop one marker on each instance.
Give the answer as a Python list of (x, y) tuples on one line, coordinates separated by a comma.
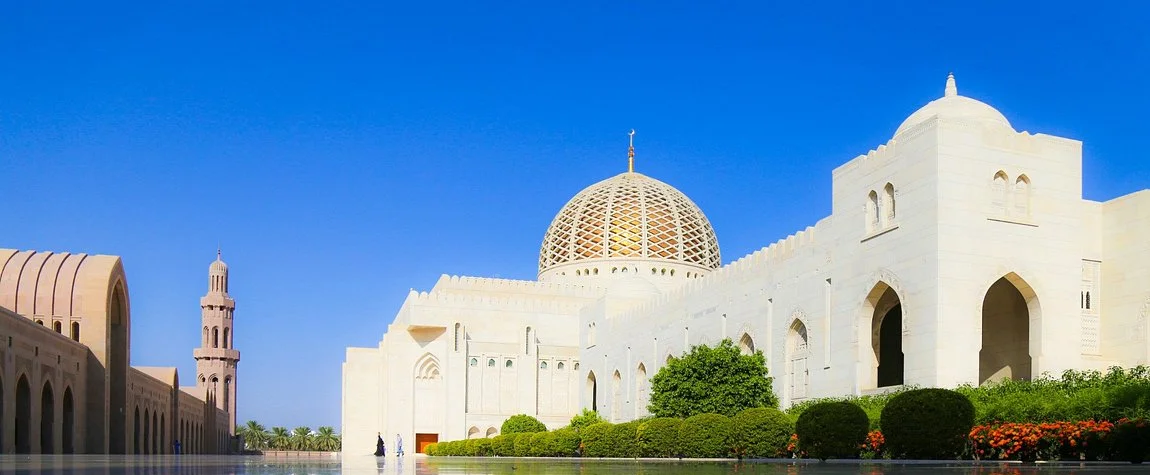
[(47, 420), (23, 416), (117, 370), (1005, 351), (591, 391), (882, 338)]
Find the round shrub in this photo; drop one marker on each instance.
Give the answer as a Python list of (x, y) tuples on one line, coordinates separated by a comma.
[(622, 440), (705, 436), (929, 423), (761, 432), (563, 443), (596, 443), (522, 424), (832, 430), (659, 437)]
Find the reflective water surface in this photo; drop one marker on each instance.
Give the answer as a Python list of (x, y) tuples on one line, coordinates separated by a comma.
[(196, 465)]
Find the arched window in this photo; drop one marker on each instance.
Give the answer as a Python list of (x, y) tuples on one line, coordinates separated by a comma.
[(58, 327), (872, 211), (491, 363), (747, 344), (888, 203), (227, 338), (527, 342), (474, 362), (542, 365), (998, 191), (576, 366), (509, 364), (458, 330), (1022, 196), (205, 343), (560, 366), (75, 331), (215, 337)]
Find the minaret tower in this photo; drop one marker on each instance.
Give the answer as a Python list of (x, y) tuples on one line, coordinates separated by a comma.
[(216, 358)]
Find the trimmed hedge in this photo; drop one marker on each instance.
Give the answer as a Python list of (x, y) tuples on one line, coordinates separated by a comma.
[(929, 423), (705, 436), (761, 432), (659, 437), (521, 424), (832, 430), (596, 441)]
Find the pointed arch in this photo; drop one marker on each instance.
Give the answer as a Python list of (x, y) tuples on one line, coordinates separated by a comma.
[(491, 432), (591, 392), (998, 190), (227, 337), (69, 423), (47, 419), (747, 344), (147, 423), (881, 335), (215, 337), (136, 431), (872, 211), (888, 203), (616, 396), (798, 353), (1011, 328), (473, 433), (23, 415), (427, 367), (642, 397), (1022, 196)]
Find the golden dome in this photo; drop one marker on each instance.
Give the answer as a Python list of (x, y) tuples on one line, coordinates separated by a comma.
[(630, 215)]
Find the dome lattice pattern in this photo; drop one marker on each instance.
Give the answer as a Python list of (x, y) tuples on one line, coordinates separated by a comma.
[(630, 216)]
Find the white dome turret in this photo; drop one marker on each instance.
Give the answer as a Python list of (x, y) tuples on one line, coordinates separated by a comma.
[(952, 105)]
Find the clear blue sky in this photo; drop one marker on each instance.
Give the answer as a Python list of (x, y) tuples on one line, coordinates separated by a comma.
[(343, 153)]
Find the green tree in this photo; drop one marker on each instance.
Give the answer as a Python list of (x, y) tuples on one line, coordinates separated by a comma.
[(520, 424), (301, 438), (326, 439), (280, 439), (584, 419), (712, 380), (255, 435)]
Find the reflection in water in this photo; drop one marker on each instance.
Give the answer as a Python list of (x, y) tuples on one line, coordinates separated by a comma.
[(197, 465)]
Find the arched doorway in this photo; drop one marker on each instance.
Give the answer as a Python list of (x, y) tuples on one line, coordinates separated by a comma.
[(798, 352), (1006, 329), (163, 436), (23, 416), (69, 428), (155, 435), (746, 344), (616, 396), (117, 370), (882, 339), (2, 393), (147, 423), (591, 391), (136, 431), (641, 397), (47, 420)]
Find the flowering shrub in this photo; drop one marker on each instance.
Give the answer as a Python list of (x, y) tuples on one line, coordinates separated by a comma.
[(874, 447), (1040, 441)]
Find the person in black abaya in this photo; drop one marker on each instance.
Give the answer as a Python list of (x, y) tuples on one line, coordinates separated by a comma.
[(380, 449)]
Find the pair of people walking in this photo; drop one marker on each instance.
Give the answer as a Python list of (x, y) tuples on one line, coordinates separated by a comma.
[(381, 448)]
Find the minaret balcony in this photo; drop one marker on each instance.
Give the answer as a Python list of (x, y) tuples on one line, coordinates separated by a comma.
[(216, 354), (217, 300)]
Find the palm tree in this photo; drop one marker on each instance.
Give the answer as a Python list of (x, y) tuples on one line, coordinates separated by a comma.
[(254, 434), (326, 439), (280, 438), (301, 438)]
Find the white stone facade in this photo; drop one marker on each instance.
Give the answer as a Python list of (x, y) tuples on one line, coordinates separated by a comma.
[(961, 251)]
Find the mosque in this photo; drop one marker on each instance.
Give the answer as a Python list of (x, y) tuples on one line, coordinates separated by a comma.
[(66, 381), (953, 254)]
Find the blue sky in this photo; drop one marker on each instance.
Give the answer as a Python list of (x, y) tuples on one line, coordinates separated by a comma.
[(343, 153)]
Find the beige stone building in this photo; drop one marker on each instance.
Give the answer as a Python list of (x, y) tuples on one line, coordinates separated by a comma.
[(959, 251), (66, 384)]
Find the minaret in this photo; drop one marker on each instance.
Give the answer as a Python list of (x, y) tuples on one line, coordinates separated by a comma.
[(216, 358)]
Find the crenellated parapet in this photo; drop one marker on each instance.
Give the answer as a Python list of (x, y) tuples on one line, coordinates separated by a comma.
[(504, 294), (487, 284), (758, 262)]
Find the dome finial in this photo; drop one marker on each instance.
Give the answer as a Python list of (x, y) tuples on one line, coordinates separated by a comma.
[(218, 253), (951, 88), (631, 153)]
